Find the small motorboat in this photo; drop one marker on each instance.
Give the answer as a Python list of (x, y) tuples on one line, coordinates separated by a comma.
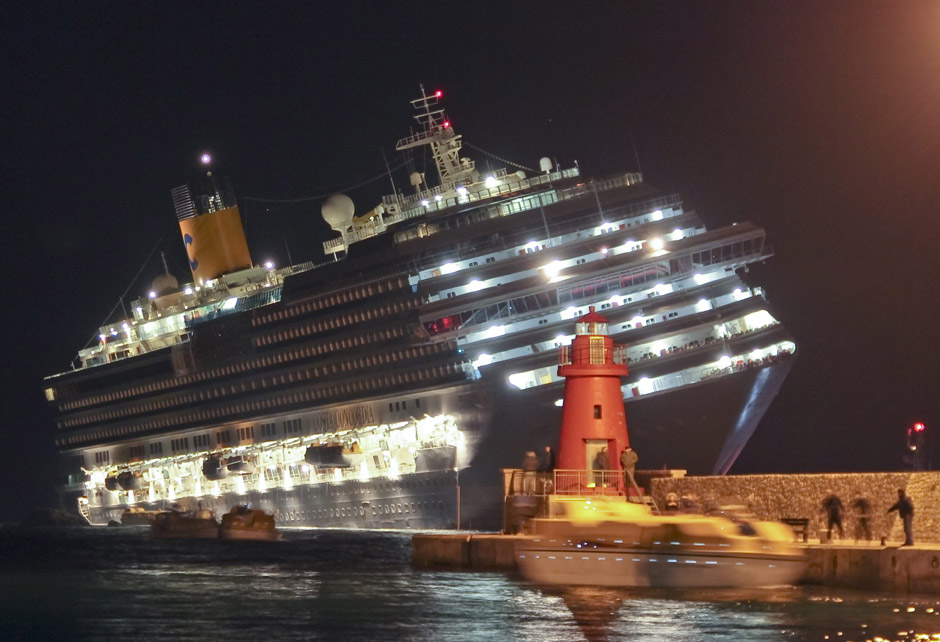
[(607, 541), (174, 523), (244, 522)]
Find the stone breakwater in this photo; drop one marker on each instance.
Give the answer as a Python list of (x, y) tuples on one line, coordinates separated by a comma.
[(800, 496)]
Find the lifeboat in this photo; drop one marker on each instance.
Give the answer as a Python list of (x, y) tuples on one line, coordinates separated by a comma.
[(200, 524), (607, 541), (435, 458), (130, 480), (240, 465), (137, 516), (244, 522), (111, 482), (333, 455), (214, 468)]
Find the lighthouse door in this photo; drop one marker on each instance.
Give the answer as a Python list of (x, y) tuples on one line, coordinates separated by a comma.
[(597, 457)]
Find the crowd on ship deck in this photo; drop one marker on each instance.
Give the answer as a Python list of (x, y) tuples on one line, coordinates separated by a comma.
[(695, 344), (741, 364)]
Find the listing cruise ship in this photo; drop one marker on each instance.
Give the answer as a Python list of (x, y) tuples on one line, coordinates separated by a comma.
[(387, 384)]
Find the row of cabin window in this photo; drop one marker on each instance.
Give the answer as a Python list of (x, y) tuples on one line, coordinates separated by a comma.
[(402, 405), (224, 437)]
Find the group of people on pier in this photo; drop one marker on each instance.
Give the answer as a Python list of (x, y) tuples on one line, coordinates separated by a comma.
[(835, 511)]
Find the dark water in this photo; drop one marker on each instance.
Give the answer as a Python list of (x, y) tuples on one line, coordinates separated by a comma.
[(117, 584)]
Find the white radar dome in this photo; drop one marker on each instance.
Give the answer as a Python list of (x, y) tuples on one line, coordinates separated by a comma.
[(545, 164), (416, 179), (164, 283), (338, 212)]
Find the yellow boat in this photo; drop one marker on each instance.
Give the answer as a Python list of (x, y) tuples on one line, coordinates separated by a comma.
[(606, 541), (244, 522)]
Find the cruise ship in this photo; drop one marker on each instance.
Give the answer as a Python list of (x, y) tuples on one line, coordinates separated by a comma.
[(384, 384)]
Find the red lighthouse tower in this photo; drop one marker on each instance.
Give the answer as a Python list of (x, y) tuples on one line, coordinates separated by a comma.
[(593, 420)]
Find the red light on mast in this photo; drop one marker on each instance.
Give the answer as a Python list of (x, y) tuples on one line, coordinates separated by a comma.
[(446, 124), (438, 93), (919, 427)]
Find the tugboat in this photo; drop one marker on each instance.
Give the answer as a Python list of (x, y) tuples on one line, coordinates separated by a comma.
[(200, 524), (590, 532), (244, 522)]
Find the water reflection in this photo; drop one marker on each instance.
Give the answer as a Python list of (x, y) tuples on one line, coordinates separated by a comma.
[(118, 584), (787, 613), (595, 610)]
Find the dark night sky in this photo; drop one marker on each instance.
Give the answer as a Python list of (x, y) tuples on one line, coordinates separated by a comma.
[(819, 121)]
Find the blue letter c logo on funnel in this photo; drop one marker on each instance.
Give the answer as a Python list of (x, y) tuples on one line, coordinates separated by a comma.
[(193, 263)]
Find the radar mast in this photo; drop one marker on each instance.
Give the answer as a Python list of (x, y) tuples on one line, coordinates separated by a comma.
[(437, 132)]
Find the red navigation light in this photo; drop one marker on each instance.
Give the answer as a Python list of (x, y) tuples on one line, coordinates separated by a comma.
[(438, 93), (446, 124), (919, 427)]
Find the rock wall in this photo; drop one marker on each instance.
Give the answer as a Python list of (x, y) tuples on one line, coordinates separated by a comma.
[(801, 496)]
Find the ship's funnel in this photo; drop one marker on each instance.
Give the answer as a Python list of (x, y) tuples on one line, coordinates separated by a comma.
[(212, 231)]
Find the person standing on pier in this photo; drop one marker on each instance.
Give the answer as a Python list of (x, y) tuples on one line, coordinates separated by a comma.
[(547, 464), (905, 508), (601, 466), (530, 464), (863, 517), (628, 459), (546, 471), (834, 511)]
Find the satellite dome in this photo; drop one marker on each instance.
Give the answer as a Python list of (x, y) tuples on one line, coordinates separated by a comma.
[(416, 179), (338, 212), (545, 164), (164, 283)]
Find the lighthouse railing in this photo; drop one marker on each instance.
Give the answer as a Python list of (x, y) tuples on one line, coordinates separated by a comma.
[(517, 481), (592, 354), (589, 482)]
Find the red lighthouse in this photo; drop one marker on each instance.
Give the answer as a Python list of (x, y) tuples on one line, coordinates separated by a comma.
[(593, 423)]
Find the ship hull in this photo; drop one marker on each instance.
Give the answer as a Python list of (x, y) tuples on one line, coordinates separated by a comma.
[(418, 501), (699, 428)]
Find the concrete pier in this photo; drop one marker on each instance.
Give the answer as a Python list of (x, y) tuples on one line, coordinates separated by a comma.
[(896, 569), (471, 551), (891, 568)]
